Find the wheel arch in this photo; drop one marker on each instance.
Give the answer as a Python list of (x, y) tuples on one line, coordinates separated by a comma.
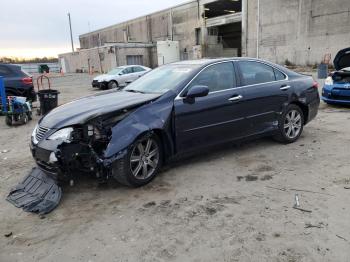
[(115, 81), (167, 143), (304, 108)]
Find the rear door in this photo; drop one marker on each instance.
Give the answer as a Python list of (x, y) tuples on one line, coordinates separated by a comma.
[(267, 92), (126, 76), (138, 71), (212, 119)]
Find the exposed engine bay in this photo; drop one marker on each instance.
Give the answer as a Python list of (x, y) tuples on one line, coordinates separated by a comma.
[(341, 77)]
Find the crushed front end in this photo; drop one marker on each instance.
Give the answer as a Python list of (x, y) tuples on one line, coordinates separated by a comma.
[(79, 149)]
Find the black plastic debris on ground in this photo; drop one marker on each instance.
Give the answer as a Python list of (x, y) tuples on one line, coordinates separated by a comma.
[(37, 193)]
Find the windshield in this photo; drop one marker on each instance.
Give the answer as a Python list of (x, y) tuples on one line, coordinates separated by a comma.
[(115, 71), (161, 79)]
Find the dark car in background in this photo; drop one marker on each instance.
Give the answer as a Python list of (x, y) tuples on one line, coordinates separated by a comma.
[(336, 89), (17, 82), (176, 108)]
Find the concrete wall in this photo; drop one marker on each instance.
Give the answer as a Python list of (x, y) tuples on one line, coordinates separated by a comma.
[(302, 31), (176, 24), (104, 59), (151, 28)]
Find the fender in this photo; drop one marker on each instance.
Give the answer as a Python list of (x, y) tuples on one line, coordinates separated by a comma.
[(153, 116)]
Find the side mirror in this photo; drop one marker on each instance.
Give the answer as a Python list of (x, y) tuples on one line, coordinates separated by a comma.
[(197, 91)]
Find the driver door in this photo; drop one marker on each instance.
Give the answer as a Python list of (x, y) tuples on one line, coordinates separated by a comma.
[(214, 118)]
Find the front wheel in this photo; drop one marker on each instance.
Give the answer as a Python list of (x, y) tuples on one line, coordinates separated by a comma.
[(112, 84), (290, 125), (8, 120), (141, 164)]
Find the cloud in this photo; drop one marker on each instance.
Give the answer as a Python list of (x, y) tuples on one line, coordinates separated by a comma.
[(43, 25)]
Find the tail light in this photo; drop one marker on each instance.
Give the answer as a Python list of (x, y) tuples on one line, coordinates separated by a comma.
[(27, 81), (315, 84)]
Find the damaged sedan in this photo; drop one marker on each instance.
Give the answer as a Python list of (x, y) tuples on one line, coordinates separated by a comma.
[(127, 135), (336, 89)]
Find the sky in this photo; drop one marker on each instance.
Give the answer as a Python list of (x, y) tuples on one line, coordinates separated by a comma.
[(36, 28)]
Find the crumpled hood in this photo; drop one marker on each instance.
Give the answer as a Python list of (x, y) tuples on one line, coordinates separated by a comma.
[(342, 59), (103, 77), (86, 108)]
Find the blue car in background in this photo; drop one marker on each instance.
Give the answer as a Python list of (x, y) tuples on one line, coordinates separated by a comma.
[(336, 89)]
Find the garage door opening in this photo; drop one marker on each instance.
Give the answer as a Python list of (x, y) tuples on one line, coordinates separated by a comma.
[(222, 7), (134, 60), (225, 40), (231, 38)]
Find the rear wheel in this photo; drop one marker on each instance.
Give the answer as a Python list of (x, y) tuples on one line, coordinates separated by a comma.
[(141, 164), (290, 124)]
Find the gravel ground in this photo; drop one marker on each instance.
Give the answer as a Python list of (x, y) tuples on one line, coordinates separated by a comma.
[(230, 203)]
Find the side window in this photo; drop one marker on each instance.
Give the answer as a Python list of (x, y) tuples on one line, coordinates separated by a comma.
[(127, 71), (4, 71), (217, 77), (279, 75), (138, 69), (256, 73)]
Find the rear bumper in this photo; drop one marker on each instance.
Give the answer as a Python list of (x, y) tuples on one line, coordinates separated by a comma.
[(313, 109)]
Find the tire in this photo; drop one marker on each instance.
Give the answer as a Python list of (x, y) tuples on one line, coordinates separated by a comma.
[(131, 170), (8, 120), (30, 115), (112, 84), (290, 125), (25, 118)]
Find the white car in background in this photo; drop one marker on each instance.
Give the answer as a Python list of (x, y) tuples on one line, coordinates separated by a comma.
[(119, 77)]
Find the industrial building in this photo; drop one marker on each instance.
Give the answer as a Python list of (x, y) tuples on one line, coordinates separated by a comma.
[(300, 32)]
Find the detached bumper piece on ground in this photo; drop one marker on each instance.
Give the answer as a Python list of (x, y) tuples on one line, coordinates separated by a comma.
[(37, 193)]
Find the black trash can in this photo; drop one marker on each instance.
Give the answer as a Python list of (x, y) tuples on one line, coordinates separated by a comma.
[(48, 100)]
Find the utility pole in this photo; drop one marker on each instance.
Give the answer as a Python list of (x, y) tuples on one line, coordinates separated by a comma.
[(71, 34)]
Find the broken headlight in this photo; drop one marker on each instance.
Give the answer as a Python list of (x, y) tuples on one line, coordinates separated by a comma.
[(64, 135), (93, 131)]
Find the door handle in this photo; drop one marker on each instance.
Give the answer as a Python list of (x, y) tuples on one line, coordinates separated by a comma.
[(285, 87), (235, 98)]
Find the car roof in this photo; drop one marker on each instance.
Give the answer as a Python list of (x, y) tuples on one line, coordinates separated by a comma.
[(206, 61), (127, 66), (10, 66)]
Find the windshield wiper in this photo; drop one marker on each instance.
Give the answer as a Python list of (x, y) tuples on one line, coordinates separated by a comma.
[(134, 91)]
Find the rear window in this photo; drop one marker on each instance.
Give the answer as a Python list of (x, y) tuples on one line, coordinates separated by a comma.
[(5, 71)]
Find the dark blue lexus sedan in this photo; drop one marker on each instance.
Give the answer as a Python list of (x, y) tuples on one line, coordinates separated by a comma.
[(336, 89), (176, 108)]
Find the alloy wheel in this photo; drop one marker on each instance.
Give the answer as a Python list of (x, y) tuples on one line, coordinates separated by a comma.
[(113, 85), (292, 124), (144, 158)]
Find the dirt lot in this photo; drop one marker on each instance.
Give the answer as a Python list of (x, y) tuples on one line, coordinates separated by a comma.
[(232, 203)]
